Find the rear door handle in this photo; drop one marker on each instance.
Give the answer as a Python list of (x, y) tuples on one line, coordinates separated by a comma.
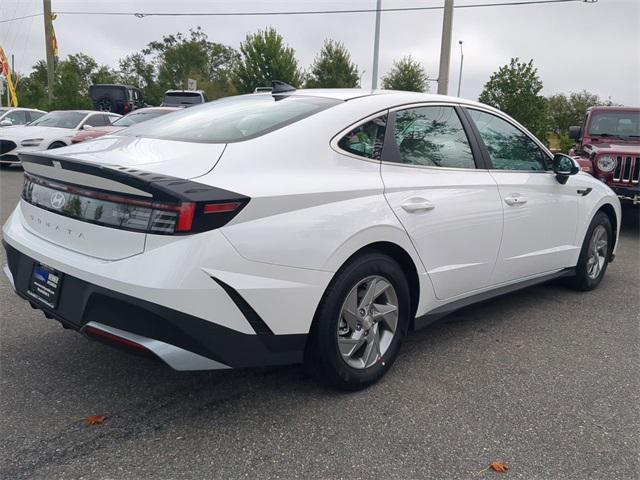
[(417, 205), (515, 200)]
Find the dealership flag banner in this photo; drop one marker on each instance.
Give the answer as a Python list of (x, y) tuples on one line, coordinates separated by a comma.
[(6, 70)]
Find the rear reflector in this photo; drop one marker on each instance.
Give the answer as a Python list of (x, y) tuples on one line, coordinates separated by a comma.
[(221, 207), (110, 337)]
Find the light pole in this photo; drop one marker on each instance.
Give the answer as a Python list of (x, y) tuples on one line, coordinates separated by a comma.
[(376, 47), (461, 63)]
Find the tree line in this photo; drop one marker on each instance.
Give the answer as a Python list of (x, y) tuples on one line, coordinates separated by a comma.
[(221, 71)]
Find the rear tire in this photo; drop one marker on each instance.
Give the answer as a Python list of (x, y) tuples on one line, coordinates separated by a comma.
[(350, 349), (595, 253)]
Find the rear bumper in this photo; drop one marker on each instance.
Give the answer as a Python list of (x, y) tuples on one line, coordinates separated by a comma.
[(183, 341)]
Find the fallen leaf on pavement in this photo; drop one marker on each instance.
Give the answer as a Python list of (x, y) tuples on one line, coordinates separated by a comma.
[(498, 467), (95, 419)]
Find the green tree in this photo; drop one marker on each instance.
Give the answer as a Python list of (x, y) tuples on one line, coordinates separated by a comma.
[(406, 74), (333, 68), (72, 78), (179, 57), (515, 89), (265, 57)]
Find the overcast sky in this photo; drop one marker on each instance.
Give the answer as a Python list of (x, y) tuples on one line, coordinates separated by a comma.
[(574, 45)]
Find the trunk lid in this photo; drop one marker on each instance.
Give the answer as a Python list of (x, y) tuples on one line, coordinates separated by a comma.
[(168, 157), (107, 210)]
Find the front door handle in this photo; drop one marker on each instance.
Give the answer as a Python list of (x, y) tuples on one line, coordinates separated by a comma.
[(515, 200), (417, 205)]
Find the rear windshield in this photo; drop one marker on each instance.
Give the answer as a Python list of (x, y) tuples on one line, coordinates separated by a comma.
[(59, 119), (135, 117), (96, 92), (182, 98), (233, 119)]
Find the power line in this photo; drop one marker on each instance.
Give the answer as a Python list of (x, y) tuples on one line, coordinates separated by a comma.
[(20, 18), (301, 12)]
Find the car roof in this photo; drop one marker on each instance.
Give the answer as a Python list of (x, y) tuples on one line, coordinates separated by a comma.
[(155, 109), (402, 96), (22, 108)]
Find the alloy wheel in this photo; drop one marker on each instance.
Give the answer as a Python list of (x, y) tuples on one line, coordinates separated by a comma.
[(598, 249), (368, 322)]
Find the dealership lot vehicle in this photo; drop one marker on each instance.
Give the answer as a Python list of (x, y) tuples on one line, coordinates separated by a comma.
[(140, 115), (120, 99), (14, 116), (609, 148), (183, 98), (364, 216), (53, 130)]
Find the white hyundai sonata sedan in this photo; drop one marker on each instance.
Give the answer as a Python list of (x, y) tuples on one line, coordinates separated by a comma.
[(316, 226)]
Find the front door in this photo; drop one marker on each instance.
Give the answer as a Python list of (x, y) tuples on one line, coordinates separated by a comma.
[(540, 214), (450, 209)]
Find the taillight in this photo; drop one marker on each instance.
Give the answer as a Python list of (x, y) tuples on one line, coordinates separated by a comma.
[(130, 213), (126, 107)]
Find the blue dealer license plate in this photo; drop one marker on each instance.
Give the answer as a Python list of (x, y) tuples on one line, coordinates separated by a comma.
[(45, 284)]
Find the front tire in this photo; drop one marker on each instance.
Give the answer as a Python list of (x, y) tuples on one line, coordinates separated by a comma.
[(595, 253), (56, 145), (359, 323)]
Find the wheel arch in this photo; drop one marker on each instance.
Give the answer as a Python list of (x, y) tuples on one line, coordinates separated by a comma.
[(610, 212), (400, 255)]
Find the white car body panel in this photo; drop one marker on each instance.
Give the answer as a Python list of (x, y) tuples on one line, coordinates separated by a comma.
[(311, 208)]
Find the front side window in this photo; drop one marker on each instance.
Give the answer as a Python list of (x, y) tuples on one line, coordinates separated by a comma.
[(232, 119), (509, 148), (59, 119), (433, 137), (366, 140)]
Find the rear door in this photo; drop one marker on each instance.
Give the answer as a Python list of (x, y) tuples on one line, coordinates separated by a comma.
[(448, 203), (540, 214)]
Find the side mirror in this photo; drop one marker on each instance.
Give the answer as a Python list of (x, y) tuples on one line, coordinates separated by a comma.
[(6, 123), (87, 127), (575, 133), (564, 166)]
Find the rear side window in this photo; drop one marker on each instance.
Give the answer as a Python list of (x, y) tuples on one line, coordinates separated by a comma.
[(232, 119), (366, 140), (433, 137)]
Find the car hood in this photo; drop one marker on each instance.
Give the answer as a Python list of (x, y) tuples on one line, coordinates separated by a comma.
[(167, 157), (24, 132), (614, 148)]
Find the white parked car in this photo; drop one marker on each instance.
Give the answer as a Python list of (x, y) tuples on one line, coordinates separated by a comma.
[(14, 116), (53, 130), (313, 225)]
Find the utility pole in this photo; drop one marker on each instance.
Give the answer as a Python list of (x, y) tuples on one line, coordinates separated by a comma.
[(461, 63), (445, 48), (48, 35), (376, 48)]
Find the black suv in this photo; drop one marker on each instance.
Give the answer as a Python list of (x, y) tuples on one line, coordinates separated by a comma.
[(120, 99)]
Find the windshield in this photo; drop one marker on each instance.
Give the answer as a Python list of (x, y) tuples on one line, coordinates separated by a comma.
[(134, 118), (59, 119), (232, 119), (182, 98), (615, 124)]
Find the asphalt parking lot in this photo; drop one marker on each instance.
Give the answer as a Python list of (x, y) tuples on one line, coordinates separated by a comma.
[(546, 380)]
